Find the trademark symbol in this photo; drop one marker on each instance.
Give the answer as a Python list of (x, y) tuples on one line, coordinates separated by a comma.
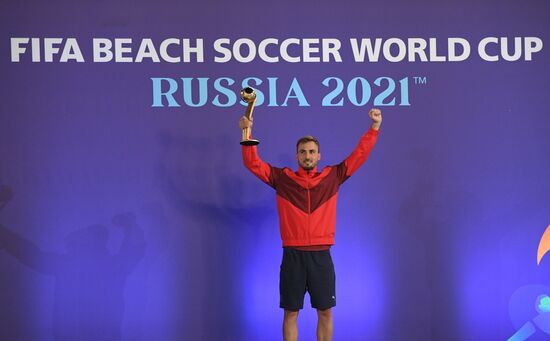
[(420, 80)]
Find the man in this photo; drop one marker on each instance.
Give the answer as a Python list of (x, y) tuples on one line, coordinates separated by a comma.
[(306, 203)]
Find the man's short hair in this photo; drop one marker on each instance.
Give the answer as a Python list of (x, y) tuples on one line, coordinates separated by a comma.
[(306, 139)]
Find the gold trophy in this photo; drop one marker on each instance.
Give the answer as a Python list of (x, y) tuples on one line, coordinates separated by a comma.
[(249, 96)]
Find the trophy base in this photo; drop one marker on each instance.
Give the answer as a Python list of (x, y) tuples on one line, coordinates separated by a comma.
[(250, 142)]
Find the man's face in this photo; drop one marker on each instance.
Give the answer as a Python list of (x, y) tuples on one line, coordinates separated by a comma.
[(308, 155)]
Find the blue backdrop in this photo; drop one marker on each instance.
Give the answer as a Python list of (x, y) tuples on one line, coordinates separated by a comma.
[(133, 218)]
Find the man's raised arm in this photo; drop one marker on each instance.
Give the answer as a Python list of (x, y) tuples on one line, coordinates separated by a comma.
[(365, 145), (251, 159)]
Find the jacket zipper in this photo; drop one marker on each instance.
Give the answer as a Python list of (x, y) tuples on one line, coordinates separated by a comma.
[(308, 211)]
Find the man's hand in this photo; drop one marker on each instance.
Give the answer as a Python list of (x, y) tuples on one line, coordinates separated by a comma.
[(376, 117), (245, 123)]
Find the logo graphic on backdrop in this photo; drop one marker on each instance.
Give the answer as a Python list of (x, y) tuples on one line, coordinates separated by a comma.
[(357, 91), (529, 310), (530, 305), (544, 245)]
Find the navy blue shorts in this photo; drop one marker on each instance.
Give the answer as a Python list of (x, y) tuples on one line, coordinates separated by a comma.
[(311, 271)]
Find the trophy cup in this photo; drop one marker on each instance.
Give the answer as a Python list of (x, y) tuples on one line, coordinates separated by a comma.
[(249, 96)]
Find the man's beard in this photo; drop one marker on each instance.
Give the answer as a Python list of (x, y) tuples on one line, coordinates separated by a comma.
[(308, 167)]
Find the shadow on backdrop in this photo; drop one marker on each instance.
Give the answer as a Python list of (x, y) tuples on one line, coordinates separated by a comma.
[(423, 217), (222, 222), (89, 280)]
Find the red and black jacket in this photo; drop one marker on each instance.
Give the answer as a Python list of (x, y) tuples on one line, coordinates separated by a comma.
[(306, 201)]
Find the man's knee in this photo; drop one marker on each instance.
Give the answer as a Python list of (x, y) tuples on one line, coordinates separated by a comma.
[(291, 314), (325, 314)]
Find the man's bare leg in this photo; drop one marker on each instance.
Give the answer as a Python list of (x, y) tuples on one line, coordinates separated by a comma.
[(290, 325), (324, 325)]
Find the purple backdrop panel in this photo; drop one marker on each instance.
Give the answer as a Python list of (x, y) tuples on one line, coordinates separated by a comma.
[(126, 212)]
